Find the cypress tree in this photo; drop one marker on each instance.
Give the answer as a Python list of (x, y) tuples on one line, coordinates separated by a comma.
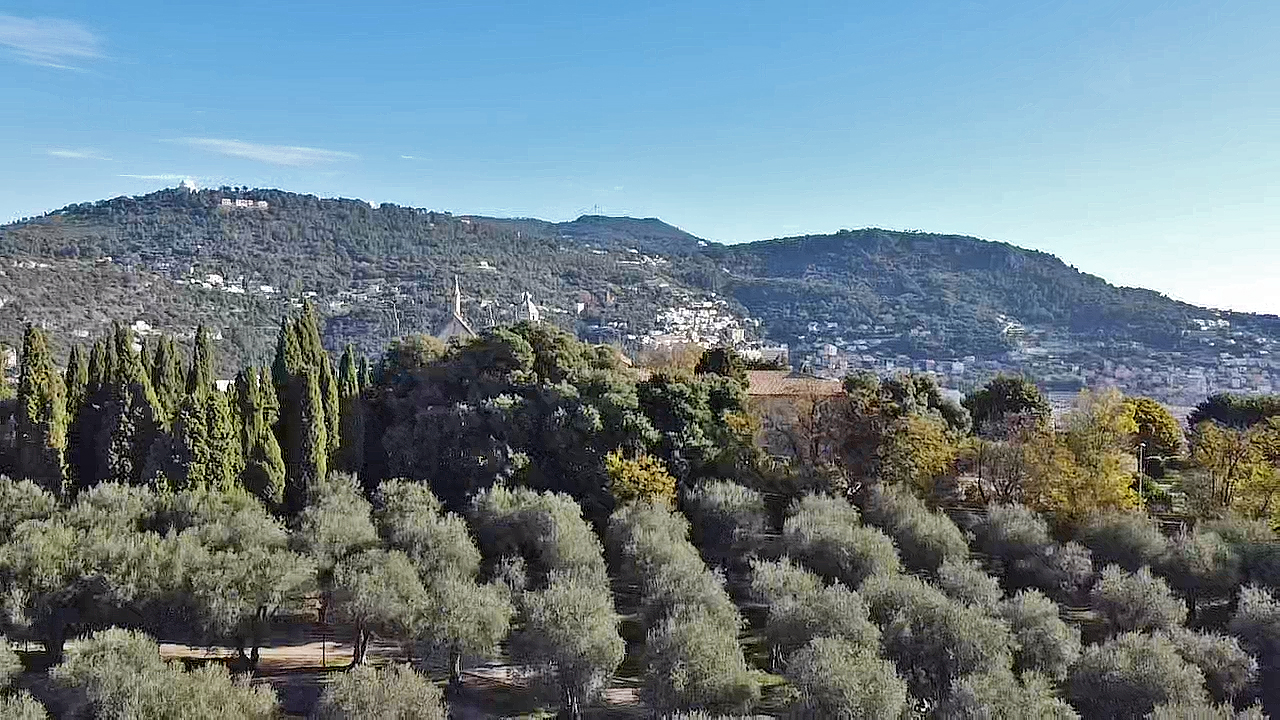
[(40, 420), (111, 356), (97, 367), (350, 456), (306, 445), (348, 374), (331, 403), (249, 409), (178, 459), (288, 361), (264, 472), (269, 400), (315, 442), (200, 378), (226, 459), (315, 355), (130, 416), (82, 435), (166, 376), (365, 373), (76, 380), (148, 351)]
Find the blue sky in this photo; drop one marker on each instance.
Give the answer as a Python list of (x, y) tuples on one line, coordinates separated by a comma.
[(1137, 140)]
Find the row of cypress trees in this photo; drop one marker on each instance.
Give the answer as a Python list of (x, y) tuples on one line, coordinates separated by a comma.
[(145, 416)]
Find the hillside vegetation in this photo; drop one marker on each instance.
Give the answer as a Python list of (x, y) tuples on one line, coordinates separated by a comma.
[(378, 273)]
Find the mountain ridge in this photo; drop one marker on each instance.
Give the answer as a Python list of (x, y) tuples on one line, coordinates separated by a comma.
[(379, 271)]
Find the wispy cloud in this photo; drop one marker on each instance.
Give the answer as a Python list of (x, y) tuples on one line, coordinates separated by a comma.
[(274, 154), (50, 42), (81, 154)]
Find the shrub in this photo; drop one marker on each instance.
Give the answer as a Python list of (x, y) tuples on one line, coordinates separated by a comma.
[(1129, 675), (1136, 602), (838, 679), (394, 692), (966, 582), (925, 539), (641, 479), (1043, 642), (727, 518), (1127, 539), (1228, 670), (821, 533)]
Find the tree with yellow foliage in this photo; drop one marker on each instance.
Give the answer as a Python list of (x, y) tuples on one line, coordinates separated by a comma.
[(644, 478), (916, 451), (1242, 466), (1085, 466)]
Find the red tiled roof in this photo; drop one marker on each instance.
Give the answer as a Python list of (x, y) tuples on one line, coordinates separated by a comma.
[(784, 383)]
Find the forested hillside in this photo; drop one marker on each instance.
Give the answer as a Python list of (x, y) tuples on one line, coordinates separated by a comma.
[(376, 273)]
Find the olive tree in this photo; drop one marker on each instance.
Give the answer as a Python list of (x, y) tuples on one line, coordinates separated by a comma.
[(1202, 566), (379, 592), (932, 639), (1043, 643), (1205, 711), (1129, 675), (394, 692), (232, 591), (1138, 601), (1017, 540), (773, 581), (966, 582), (23, 500), (839, 679), (823, 533), (570, 635), (458, 614), (1229, 670), (834, 611), (412, 519), (693, 664), (122, 677), (1127, 539), (999, 695), (1256, 623), (925, 538), (727, 519), (692, 656), (22, 706), (546, 530), (334, 525)]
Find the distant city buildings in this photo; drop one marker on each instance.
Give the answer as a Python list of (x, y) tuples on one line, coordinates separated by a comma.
[(242, 203)]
